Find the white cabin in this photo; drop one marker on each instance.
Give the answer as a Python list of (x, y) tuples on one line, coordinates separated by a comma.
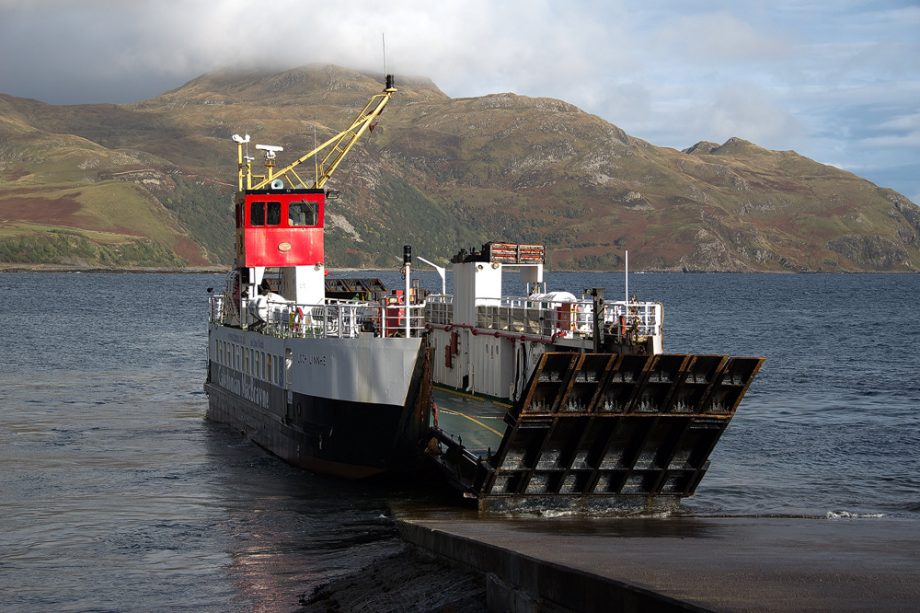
[(486, 343)]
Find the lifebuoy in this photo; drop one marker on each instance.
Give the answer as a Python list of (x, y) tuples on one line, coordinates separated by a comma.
[(297, 318)]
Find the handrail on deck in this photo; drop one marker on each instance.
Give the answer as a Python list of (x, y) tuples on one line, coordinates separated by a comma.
[(550, 317), (332, 319), (351, 318)]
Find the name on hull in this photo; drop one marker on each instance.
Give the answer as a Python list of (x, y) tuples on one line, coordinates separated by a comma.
[(312, 360), (243, 386)]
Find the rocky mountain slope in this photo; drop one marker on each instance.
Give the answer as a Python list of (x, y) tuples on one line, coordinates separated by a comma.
[(151, 183)]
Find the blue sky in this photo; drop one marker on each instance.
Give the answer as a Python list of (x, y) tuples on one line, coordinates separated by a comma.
[(836, 81)]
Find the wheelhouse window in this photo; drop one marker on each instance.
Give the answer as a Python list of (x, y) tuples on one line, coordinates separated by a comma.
[(257, 214), (274, 214), (303, 213)]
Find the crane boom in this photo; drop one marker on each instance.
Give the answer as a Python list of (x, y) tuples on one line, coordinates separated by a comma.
[(340, 144)]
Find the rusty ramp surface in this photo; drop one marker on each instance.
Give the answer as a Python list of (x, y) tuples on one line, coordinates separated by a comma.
[(604, 432)]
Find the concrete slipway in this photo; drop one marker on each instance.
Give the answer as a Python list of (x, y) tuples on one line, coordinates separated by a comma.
[(682, 563)]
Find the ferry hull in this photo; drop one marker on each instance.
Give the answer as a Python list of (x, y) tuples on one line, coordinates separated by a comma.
[(343, 437)]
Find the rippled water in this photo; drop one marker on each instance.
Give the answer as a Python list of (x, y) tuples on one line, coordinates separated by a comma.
[(116, 494)]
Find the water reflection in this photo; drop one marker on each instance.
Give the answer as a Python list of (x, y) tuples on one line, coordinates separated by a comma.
[(286, 530)]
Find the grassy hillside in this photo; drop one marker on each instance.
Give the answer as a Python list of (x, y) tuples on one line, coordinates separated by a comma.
[(152, 182), (111, 224)]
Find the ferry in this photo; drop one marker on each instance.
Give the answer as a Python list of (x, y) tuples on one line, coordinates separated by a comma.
[(556, 399)]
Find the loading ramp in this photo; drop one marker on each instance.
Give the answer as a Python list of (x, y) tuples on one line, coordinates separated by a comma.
[(603, 432)]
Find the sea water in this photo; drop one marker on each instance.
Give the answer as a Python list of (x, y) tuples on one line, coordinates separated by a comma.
[(115, 494)]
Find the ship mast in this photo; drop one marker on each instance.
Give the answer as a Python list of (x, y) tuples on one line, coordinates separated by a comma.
[(280, 216), (336, 148)]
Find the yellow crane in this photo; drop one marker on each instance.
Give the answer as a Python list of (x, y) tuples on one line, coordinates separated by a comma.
[(338, 147)]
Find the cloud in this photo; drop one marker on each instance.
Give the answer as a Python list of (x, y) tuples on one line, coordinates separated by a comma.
[(719, 38), (902, 122), (750, 111), (469, 48), (908, 139), (683, 115), (836, 80)]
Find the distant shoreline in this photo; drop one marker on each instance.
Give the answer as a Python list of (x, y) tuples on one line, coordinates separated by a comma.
[(14, 268), (6, 267), (63, 268)]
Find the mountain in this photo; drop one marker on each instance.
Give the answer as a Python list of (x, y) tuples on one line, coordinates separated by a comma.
[(151, 183)]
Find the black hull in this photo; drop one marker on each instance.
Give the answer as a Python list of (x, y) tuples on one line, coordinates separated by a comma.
[(346, 439)]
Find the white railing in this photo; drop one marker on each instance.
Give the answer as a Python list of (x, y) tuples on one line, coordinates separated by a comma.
[(576, 318), (645, 316), (439, 308), (350, 319), (216, 309), (333, 319)]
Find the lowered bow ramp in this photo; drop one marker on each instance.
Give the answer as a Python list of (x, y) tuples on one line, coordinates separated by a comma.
[(601, 431)]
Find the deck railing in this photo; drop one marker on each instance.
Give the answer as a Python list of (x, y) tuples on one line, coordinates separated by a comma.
[(350, 318), (439, 308), (646, 316), (216, 309), (333, 319), (550, 317)]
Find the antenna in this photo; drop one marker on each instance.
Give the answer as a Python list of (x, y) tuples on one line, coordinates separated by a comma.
[(315, 159), (383, 38), (242, 141), (269, 150)]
